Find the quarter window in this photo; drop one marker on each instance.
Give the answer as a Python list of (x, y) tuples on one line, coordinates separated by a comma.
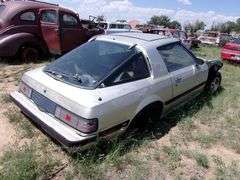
[(28, 16), (175, 57), (135, 69), (69, 20), (49, 16)]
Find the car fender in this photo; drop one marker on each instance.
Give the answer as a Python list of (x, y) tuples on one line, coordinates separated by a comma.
[(10, 44), (146, 102)]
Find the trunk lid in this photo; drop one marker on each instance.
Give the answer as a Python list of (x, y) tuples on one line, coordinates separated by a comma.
[(74, 99)]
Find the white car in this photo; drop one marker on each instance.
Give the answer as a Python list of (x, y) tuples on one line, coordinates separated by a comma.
[(117, 27), (100, 88)]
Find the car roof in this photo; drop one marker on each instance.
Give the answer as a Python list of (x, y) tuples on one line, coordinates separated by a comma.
[(143, 39), (15, 7)]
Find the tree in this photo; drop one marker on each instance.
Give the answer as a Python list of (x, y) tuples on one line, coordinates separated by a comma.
[(160, 21), (199, 25), (194, 27), (175, 25)]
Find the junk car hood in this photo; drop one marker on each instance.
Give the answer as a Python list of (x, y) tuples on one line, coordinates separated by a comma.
[(77, 100)]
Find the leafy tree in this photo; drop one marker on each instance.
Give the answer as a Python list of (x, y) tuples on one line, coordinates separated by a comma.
[(160, 21), (194, 27), (175, 25)]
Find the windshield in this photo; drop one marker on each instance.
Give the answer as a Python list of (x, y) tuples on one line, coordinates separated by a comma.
[(90, 63), (2, 7)]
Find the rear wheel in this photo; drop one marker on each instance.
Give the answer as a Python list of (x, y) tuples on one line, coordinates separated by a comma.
[(29, 54), (151, 113)]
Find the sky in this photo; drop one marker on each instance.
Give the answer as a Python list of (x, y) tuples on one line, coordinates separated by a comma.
[(185, 11)]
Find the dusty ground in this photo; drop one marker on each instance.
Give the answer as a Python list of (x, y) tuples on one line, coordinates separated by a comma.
[(198, 141)]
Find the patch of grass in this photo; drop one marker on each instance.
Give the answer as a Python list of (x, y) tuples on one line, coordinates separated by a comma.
[(223, 171), (24, 164), (26, 128), (5, 98), (201, 159), (174, 157)]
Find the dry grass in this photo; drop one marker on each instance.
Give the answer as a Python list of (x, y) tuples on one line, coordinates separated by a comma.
[(198, 141)]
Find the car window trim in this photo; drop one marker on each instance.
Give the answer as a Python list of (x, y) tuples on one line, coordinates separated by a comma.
[(29, 10), (51, 23), (62, 13), (120, 66), (189, 52)]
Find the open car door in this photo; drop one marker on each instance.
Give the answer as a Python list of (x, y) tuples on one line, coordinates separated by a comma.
[(49, 25)]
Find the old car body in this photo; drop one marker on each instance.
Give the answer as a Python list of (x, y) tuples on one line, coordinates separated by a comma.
[(174, 33), (117, 27), (30, 28), (231, 51), (99, 89), (209, 38)]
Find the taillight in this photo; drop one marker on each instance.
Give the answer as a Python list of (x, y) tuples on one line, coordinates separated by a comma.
[(25, 89), (83, 125)]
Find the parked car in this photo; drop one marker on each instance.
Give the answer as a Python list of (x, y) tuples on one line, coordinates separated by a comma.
[(100, 88), (31, 28), (117, 27), (174, 33), (223, 38), (231, 51), (209, 38)]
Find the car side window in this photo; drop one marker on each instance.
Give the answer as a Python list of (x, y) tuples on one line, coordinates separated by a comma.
[(135, 69), (69, 20), (49, 16), (175, 56), (28, 16)]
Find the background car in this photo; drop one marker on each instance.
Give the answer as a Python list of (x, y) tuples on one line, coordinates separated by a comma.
[(31, 28), (117, 27), (231, 51), (209, 38), (174, 33)]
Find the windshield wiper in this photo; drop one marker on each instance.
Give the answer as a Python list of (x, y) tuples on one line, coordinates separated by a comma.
[(55, 74), (78, 78)]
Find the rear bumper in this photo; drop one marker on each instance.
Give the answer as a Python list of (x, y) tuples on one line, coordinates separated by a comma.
[(57, 130)]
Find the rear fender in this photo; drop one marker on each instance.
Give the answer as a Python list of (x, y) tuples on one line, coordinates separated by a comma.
[(11, 44), (146, 102)]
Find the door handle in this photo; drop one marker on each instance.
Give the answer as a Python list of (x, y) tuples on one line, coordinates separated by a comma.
[(178, 80)]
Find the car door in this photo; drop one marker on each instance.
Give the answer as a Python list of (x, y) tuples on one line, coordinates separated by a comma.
[(49, 26), (181, 66), (72, 33)]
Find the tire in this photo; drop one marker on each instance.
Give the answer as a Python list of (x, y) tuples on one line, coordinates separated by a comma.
[(151, 113), (29, 54), (214, 83)]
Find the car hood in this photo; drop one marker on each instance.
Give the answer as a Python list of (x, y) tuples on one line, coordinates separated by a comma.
[(77, 100)]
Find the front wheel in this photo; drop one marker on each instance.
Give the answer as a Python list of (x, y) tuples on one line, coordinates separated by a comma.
[(214, 83)]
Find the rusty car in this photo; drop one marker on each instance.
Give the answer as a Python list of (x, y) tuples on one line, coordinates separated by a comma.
[(29, 29)]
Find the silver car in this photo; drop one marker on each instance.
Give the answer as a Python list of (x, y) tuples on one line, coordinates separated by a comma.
[(99, 89)]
